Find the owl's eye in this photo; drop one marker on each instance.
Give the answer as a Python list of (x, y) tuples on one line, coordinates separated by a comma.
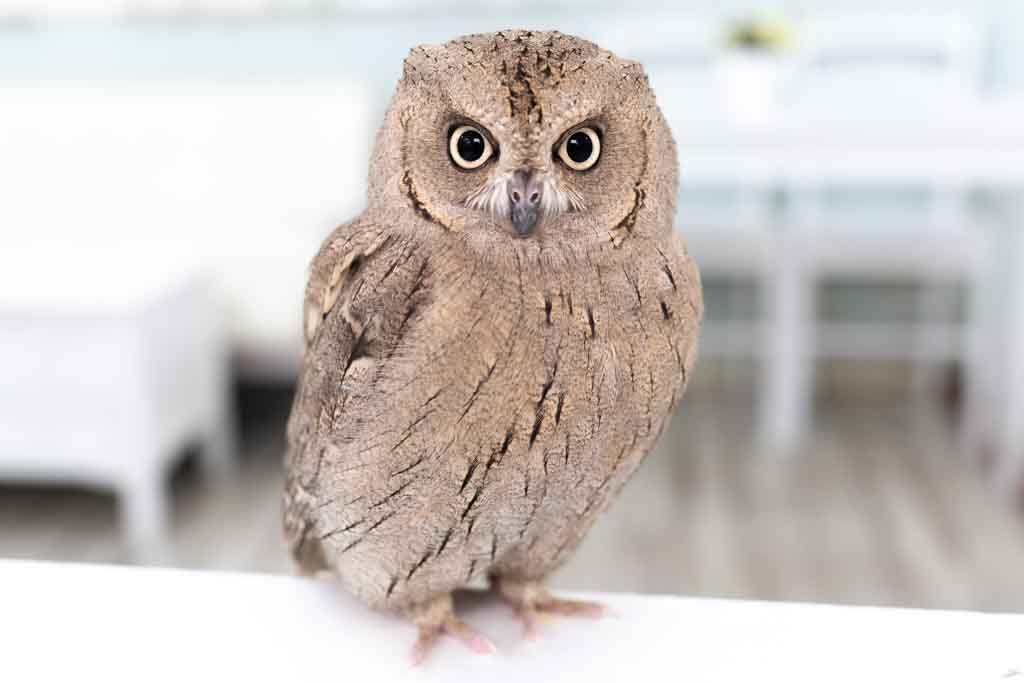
[(469, 147), (580, 149)]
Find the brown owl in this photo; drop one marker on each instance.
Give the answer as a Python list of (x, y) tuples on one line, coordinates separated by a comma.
[(497, 341)]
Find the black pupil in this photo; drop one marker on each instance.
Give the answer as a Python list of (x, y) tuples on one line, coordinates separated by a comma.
[(579, 147), (471, 145)]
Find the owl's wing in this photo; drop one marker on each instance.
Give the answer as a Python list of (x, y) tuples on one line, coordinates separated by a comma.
[(360, 295)]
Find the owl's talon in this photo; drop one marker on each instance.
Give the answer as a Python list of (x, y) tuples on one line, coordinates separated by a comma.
[(437, 618), (476, 642)]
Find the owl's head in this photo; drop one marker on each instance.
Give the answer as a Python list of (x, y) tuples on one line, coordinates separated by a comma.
[(523, 136)]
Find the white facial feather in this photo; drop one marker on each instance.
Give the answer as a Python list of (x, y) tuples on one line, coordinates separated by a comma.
[(493, 197)]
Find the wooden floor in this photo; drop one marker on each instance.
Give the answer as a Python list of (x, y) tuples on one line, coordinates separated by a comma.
[(878, 509)]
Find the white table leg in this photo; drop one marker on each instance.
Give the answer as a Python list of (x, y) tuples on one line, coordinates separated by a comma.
[(934, 304), (981, 351), (219, 455), (1009, 466), (144, 514), (220, 430), (788, 354)]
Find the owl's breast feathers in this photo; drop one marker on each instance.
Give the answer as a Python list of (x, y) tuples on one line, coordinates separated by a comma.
[(453, 420)]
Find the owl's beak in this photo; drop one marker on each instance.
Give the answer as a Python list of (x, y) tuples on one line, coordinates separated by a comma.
[(524, 193)]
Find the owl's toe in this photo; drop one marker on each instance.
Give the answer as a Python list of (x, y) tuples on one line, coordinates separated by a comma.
[(436, 618), (532, 602), (573, 608)]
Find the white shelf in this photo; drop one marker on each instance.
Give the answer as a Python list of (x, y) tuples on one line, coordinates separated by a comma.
[(84, 623)]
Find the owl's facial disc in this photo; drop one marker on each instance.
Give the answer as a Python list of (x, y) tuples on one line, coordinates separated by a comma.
[(528, 193), (533, 141)]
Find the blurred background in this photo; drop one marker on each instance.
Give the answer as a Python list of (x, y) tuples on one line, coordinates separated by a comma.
[(852, 188)]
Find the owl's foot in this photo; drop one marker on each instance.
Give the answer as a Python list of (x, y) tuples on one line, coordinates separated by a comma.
[(531, 601), (435, 618)]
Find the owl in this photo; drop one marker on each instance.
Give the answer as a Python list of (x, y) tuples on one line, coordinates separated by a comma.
[(495, 344)]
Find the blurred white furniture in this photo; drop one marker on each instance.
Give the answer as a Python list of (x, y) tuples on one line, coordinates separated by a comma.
[(249, 178), (875, 67), (879, 106), (85, 622), (888, 58), (113, 361), (970, 146)]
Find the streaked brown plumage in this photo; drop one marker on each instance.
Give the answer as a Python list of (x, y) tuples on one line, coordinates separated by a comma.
[(471, 399)]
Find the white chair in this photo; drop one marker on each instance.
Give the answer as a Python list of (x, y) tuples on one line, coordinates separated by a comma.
[(114, 360), (866, 69), (210, 202)]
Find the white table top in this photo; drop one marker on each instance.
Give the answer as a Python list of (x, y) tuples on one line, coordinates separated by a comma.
[(977, 143), (63, 622)]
